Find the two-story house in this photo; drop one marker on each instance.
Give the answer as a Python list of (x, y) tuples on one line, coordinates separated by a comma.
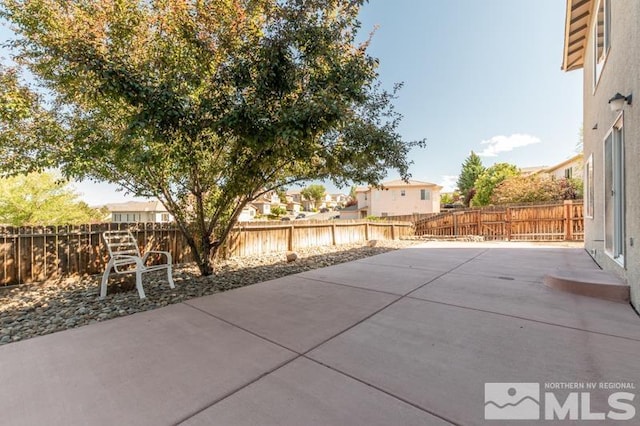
[(139, 211), (398, 197), (602, 37)]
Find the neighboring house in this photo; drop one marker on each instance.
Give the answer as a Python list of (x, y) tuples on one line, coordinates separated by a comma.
[(602, 38), (398, 198), (338, 200), (139, 211), (294, 195), (248, 213), (262, 207), (571, 168), (294, 207), (528, 171), (350, 212)]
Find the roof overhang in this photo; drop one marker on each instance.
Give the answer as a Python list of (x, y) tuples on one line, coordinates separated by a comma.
[(576, 29)]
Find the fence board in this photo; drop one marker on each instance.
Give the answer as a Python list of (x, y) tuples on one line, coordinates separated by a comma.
[(31, 254), (548, 222)]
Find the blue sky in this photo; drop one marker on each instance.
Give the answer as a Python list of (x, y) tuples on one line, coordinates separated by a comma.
[(480, 75)]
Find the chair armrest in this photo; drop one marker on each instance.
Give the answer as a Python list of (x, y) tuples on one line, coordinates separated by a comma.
[(165, 253)]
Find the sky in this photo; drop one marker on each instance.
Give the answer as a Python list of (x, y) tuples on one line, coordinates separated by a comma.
[(481, 75)]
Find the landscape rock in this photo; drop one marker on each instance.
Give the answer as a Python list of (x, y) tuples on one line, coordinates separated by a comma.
[(58, 304)]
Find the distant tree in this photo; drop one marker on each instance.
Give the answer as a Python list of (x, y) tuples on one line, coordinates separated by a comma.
[(490, 179), (207, 105), (536, 188), (446, 199), (277, 211), (315, 193), (40, 199), (472, 168)]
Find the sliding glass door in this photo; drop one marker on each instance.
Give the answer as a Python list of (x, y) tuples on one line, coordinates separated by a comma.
[(614, 203)]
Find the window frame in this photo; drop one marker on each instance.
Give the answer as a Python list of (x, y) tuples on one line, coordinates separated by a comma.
[(589, 187), (599, 61)]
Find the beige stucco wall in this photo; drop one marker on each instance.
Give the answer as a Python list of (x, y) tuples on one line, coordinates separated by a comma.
[(391, 202), (621, 73)]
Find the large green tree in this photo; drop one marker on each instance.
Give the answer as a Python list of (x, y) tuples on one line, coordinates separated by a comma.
[(490, 179), (471, 169), (207, 105), (42, 199)]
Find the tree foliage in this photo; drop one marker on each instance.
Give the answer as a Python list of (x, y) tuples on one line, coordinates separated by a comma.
[(207, 105), (471, 169), (26, 128), (41, 199), (314, 192), (536, 188), (490, 179)]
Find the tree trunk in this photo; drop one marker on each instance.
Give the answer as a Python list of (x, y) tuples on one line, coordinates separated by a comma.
[(205, 263)]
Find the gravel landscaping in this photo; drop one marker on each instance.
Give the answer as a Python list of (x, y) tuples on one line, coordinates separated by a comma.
[(38, 309)]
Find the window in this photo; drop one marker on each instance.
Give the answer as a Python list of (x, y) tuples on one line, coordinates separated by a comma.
[(588, 187), (568, 173), (117, 217), (614, 187), (425, 195), (384, 214), (600, 38), (402, 193), (165, 217)]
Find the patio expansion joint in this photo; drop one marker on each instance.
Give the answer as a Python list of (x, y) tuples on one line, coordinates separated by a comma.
[(445, 273), (250, 382), (414, 405), (522, 318), (305, 355)]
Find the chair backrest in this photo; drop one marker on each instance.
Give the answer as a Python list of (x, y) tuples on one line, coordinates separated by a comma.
[(121, 242)]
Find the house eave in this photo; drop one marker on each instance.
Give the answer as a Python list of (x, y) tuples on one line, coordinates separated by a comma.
[(576, 33)]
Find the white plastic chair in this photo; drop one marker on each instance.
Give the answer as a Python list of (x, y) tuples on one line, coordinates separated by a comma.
[(125, 258)]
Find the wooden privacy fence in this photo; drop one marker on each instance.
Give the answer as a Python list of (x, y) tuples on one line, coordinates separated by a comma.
[(548, 222), (32, 254)]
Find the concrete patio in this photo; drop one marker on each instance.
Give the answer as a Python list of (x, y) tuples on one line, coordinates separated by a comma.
[(408, 337)]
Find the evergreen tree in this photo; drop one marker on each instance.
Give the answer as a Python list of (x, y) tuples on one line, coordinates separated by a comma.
[(472, 168)]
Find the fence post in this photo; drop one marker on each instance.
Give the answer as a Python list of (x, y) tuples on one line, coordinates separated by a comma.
[(507, 222), (290, 238), (366, 231), (333, 233), (568, 220), (393, 231)]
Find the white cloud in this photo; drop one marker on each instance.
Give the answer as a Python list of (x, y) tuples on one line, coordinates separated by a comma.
[(498, 144), (448, 183)]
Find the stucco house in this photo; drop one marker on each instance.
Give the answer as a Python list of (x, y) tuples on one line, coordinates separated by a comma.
[(602, 37), (248, 213), (571, 168), (398, 197), (139, 211)]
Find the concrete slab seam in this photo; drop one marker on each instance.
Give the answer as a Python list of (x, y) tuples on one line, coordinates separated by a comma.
[(521, 318), (414, 405)]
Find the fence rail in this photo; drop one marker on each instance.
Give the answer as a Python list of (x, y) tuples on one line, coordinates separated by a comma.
[(548, 222), (31, 254)]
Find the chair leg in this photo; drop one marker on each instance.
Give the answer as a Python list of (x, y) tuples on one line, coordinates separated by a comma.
[(103, 285), (170, 277), (139, 284), (105, 279)]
